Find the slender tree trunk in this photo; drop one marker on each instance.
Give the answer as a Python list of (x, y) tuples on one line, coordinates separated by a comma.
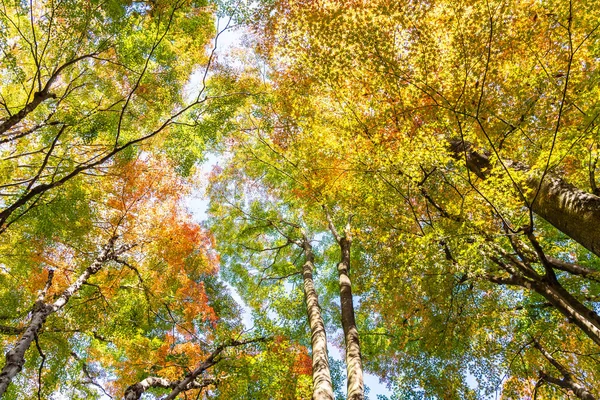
[(356, 389), (353, 356), (322, 387), (570, 210), (15, 357)]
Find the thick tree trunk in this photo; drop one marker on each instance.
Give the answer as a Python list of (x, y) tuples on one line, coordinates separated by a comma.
[(15, 357), (322, 387), (572, 211)]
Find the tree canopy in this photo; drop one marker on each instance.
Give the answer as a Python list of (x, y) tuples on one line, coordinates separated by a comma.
[(412, 182)]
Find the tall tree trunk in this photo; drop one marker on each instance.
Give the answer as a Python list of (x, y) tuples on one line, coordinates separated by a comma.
[(570, 210), (15, 357), (353, 357), (322, 388)]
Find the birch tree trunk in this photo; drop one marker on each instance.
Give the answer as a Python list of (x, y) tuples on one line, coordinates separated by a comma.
[(353, 356)]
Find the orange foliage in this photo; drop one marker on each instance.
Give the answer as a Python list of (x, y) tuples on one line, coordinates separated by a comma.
[(301, 361)]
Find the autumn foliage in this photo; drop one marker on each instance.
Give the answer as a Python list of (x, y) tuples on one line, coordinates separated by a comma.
[(412, 182)]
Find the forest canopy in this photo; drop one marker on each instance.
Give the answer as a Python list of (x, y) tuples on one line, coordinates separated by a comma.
[(410, 184)]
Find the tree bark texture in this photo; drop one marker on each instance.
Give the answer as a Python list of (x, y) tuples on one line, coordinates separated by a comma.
[(322, 387), (355, 389), (570, 210)]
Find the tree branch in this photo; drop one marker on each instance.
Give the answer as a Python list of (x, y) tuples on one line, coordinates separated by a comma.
[(212, 359)]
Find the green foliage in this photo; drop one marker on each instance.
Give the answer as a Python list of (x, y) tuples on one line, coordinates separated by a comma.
[(427, 127)]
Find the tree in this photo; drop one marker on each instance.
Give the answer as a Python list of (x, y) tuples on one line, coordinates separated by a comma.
[(267, 241), (133, 271), (87, 82), (264, 194), (453, 140), (99, 141)]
